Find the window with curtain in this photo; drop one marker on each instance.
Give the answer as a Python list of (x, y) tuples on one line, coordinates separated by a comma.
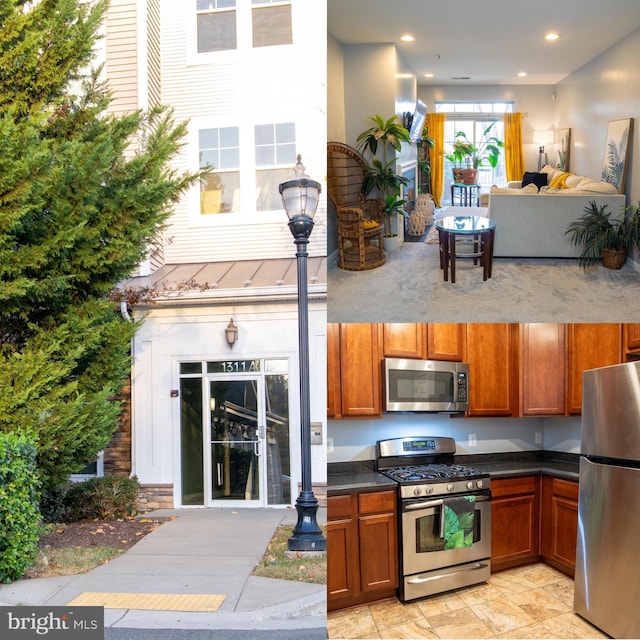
[(473, 118), (271, 23), (216, 20), (220, 151), (275, 156)]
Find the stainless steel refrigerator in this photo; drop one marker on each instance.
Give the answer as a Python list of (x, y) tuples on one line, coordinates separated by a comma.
[(607, 583)]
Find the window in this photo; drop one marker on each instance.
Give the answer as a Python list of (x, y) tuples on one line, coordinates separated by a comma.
[(275, 148), (271, 23), (216, 25), (94, 469), (220, 150), (473, 118)]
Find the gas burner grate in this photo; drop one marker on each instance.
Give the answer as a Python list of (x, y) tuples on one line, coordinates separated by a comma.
[(431, 472)]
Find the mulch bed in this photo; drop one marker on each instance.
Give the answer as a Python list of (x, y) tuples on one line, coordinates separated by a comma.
[(121, 534)]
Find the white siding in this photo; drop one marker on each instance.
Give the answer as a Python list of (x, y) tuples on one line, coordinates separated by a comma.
[(242, 88)]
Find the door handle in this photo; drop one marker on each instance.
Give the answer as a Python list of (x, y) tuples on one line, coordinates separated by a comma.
[(219, 472), (256, 448)]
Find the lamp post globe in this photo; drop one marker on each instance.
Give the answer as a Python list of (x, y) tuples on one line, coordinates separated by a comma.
[(300, 201)]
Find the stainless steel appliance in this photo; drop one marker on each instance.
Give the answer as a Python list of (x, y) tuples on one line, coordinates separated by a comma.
[(425, 385), (445, 515), (607, 580)]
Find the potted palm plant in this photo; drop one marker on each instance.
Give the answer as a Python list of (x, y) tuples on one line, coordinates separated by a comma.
[(602, 236), (460, 157), (381, 176), (487, 150)]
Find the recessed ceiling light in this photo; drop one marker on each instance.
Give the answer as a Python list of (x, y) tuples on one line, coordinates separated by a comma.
[(407, 38), (551, 36), (522, 74), (428, 75)]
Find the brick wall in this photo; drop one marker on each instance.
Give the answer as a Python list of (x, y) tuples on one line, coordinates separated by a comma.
[(117, 455), (155, 496)]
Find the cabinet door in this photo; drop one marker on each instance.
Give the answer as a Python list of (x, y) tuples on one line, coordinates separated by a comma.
[(334, 397), (404, 340), (360, 369), (378, 546), (632, 337), (342, 549), (590, 346), (446, 341), (542, 369), (559, 523), (493, 386), (515, 510)]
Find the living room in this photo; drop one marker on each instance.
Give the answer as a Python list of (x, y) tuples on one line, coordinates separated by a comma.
[(582, 82)]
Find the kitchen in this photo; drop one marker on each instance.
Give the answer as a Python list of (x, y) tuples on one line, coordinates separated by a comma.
[(520, 435)]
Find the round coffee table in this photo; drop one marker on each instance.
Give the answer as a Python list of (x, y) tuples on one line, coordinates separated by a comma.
[(477, 231)]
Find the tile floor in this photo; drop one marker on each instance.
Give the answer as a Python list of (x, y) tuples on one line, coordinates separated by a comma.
[(534, 601)]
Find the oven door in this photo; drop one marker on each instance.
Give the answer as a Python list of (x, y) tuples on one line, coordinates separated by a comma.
[(423, 535)]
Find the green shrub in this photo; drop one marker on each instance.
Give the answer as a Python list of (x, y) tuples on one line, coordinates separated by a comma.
[(106, 498), (53, 503), (19, 516)]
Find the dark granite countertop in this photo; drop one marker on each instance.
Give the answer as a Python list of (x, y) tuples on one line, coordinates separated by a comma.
[(346, 477)]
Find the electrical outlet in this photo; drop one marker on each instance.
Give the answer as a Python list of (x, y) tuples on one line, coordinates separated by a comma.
[(538, 437), (472, 440), (329, 445)]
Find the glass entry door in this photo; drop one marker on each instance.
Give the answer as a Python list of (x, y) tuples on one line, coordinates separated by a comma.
[(236, 440)]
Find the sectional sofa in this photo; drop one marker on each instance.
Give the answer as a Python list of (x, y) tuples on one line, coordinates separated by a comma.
[(532, 223)]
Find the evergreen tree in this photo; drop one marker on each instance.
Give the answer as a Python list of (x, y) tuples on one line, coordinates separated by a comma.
[(82, 194)]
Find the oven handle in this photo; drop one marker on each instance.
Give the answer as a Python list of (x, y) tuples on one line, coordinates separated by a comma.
[(438, 503)]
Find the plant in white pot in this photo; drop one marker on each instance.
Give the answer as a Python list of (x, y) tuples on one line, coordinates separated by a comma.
[(393, 210)]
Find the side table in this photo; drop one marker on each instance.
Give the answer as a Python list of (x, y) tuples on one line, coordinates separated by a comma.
[(465, 194), (475, 229)]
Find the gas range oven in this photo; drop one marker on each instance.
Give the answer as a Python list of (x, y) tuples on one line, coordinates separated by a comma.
[(445, 515)]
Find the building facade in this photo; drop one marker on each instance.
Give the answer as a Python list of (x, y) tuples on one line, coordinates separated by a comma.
[(215, 422)]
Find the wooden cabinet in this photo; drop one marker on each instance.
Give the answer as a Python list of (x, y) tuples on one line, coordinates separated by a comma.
[(446, 341), (362, 548), (559, 523), (404, 340), (354, 368), (589, 346), (493, 384), (378, 544), (437, 341), (342, 543), (515, 512), (631, 341), (334, 381), (542, 369)]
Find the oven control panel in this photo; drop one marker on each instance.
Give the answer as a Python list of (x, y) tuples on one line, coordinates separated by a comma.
[(444, 488)]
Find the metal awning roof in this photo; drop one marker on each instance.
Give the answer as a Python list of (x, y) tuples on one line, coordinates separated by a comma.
[(240, 279)]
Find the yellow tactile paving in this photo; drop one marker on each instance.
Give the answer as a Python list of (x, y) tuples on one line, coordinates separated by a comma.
[(150, 601)]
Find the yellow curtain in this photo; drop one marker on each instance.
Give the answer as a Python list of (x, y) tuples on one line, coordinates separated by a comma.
[(513, 152), (435, 130)]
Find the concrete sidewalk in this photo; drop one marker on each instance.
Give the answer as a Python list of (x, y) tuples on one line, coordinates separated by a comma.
[(201, 551)]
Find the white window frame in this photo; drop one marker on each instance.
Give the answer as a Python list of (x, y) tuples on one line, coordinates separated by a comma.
[(81, 477), (257, 4)]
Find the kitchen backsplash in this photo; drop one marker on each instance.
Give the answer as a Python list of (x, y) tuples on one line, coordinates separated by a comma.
[(355, 439)]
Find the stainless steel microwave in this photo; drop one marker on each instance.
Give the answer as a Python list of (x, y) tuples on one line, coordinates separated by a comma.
[(426, 385)]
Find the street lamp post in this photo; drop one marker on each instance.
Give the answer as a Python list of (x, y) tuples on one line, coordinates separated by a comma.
[(300, 201)]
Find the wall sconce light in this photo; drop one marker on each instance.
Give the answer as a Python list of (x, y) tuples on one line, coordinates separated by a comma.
[(231, 333)]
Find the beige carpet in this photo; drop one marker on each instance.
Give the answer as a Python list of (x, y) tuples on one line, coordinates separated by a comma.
[(410, 288), (432, 236), (150, 601)]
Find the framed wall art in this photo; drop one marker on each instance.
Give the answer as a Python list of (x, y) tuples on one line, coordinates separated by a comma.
[(562, 144), (616, 152)]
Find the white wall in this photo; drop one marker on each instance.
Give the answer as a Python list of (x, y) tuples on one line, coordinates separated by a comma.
[(605, 89), (335, 91), (355, 439)]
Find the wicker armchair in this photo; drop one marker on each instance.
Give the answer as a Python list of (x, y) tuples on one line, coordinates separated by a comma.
[(359, 219)]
